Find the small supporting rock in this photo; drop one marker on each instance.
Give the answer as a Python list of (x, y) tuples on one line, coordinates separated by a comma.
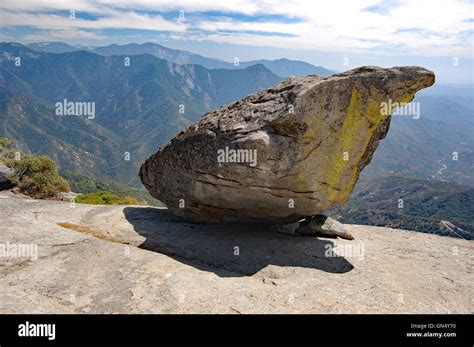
[(324, 226)]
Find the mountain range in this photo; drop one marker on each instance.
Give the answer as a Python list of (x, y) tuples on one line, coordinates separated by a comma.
[(138, 107), (141, 105), (281, 67)]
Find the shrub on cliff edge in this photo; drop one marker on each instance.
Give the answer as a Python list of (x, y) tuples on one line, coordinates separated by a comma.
[(35, 176), (106, 198)]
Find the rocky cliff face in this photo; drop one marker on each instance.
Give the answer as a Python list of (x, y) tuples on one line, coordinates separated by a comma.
[(285, 153), (135, 259)]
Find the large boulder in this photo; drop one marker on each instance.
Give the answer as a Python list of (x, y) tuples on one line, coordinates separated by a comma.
[(284, 153)]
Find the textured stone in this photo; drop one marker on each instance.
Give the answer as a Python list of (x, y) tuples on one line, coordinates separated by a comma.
[(135, 259), (68, 196), (312, 137), (321, 225), (5, 176)]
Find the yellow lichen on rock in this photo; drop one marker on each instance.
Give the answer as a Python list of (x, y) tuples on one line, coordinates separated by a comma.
[(357, 129)]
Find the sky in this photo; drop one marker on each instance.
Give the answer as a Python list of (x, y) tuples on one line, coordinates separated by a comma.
[(336, 34)]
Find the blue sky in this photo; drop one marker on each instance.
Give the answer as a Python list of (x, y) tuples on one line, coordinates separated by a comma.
[(337, 34)]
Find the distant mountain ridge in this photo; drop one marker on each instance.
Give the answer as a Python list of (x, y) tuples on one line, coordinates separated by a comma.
[(138, 107), (280, 67)]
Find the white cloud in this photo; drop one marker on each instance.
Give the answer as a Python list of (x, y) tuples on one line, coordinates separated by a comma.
[(37, 15), (66, 34), (403, 27)]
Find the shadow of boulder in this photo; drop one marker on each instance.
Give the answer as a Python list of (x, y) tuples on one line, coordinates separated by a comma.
[(230, 250)]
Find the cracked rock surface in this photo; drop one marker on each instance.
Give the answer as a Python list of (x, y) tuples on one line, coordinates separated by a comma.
[(302, 143), (131, 259)]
